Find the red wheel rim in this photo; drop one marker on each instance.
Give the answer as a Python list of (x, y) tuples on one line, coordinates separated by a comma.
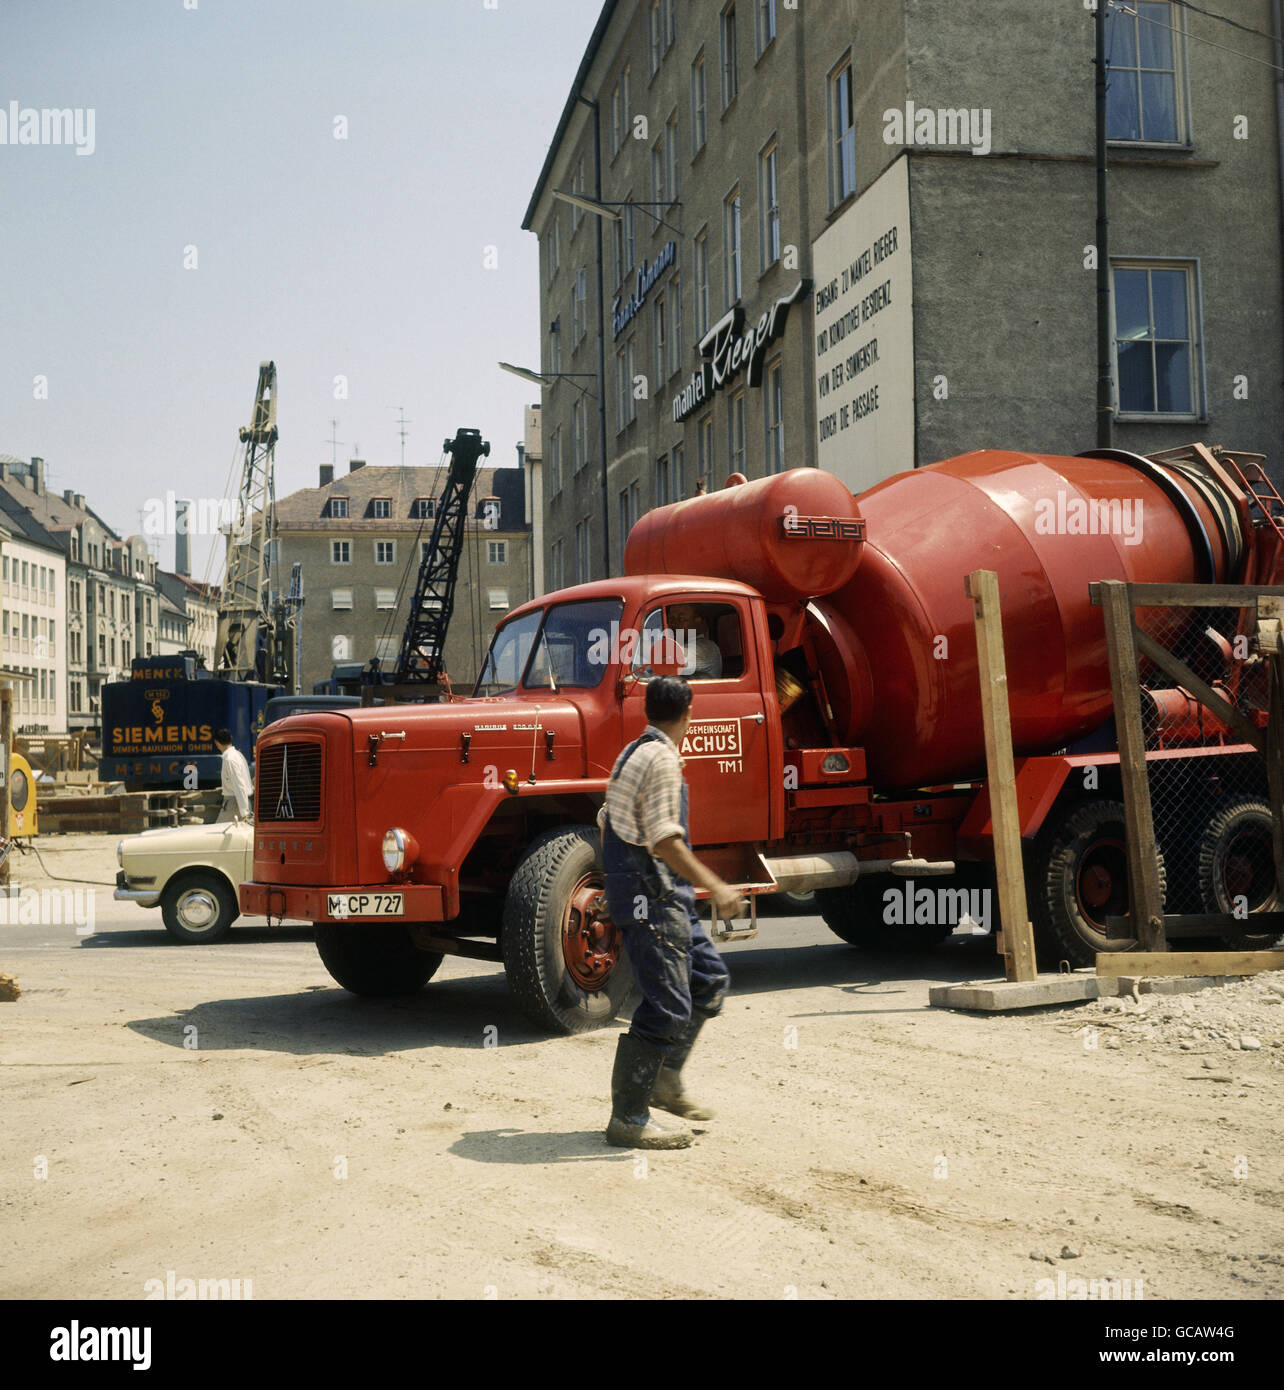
[(591, 943), (1101, 884), (1248, 869)]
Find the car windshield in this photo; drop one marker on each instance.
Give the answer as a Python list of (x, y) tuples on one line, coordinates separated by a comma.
[(573, 648)]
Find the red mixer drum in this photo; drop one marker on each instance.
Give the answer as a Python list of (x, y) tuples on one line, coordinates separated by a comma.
[(1048, 526)]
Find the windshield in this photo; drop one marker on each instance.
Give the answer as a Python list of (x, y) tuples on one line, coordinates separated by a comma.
[(575, 647)]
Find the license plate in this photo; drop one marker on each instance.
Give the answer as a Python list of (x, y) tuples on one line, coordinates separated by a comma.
[(364, 905)]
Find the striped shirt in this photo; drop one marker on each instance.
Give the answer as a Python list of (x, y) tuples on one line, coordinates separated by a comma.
[(645, 801)]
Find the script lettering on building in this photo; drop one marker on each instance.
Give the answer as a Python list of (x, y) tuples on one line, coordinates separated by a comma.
[(729, 348), (624, 311)]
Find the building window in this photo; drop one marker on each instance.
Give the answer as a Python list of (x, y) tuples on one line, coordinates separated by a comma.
[(765, 26), (582, 569), (620, 113), (497, 598), (659, 170), (699, 105), (557, 565), (338, 507), (385, 598), (554, 243), (555, 462), (664, 481), (774, 415), (496, 552), (702, 283), (340, 598), (670, 24), (675, 325), (340, 552), (769, 203), (671, 147), (422, 508), (677, 473), (76, 697), (1145, 99), (381, 508), (385, 552), (579, 307), (731, 245), (736, 434), (425, 549), (555, 347), (579, 440), (730, 66), (617, 247), (661, 316), (630, 504), (842, 135), (577, 185), (704, 449), (626, 406), (655, 46), (630, 237), (1157, 367)]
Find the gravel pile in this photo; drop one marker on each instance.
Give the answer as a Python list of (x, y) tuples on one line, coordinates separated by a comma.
[(1247, 1016)]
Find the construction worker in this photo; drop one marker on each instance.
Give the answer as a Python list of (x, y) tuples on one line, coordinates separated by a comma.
[(238, 792), (650, 873)]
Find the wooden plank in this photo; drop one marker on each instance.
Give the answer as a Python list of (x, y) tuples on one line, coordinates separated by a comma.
[(1143, 862), (1203, 924), (1275, 752), (1182, 675), (1145, 963), (982, 586), (1190, 595)]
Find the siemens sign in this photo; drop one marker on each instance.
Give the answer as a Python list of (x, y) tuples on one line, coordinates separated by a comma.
[(623, 311)]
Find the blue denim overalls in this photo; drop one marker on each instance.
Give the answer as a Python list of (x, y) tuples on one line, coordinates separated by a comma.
[(674, 962)]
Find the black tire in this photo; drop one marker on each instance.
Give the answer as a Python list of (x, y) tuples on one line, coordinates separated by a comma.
[(1078, 877), (1236, 859), (855, 913), (796, 903), (199, 907), (553, 869), (378, 960)]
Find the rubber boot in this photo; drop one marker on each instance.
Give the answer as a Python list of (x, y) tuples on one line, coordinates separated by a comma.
[(633, 1077), (669, 1093)]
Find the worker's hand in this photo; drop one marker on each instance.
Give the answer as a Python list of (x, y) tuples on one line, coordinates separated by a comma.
[(727, 902)]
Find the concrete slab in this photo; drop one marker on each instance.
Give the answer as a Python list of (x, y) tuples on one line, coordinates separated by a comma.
[(1000, 996)]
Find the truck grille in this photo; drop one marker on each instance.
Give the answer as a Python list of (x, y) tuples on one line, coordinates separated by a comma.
[(289, 783)]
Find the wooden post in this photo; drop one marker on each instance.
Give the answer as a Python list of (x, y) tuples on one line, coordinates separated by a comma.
[(982, 587), (1270, 642), (1147, 909)]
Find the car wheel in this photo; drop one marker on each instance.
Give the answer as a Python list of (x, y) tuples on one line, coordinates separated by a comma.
[(199, 907)]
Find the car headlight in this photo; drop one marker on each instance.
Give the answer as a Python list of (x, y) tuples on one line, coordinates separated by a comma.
[(399, 850), (120, 854)]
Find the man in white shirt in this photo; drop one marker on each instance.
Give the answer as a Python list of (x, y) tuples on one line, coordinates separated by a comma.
[(238, 791)]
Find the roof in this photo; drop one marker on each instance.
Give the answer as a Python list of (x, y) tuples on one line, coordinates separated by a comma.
[(572, 101), (19, 518), (304, 510), (50, 509), (183, 586)]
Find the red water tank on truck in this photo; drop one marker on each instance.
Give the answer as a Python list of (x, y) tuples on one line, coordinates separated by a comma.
[(836, 741)]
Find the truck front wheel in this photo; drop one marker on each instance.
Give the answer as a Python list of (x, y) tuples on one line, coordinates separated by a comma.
[(378, 960), (563, 956), (1079, 879)]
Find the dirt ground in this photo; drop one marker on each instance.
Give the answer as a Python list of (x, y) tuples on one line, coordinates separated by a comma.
[(226, 1112)]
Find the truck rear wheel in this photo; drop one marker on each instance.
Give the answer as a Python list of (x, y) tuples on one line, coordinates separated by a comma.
[(857, 914), (1078, 879), (564, 958), (1237, 869), (378, 960)]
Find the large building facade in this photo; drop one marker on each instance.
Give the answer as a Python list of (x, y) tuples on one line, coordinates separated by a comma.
[(360, 538), (870, 244)]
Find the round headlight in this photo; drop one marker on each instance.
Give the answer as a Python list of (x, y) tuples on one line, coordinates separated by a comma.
[(120, 854), (400, 849)]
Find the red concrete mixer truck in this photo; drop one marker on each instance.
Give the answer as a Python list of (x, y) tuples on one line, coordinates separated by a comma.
[(836, 743)]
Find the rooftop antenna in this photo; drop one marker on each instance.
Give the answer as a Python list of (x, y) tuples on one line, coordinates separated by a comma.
[(334, 443), (402, 422)]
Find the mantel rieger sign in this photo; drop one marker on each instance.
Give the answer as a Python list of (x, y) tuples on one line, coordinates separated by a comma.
[(729, 348), (864, 336)]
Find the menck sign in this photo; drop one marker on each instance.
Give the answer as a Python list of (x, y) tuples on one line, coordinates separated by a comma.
[(728, 347)]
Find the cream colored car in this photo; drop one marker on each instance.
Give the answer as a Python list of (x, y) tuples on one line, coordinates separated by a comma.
[(191, 872)]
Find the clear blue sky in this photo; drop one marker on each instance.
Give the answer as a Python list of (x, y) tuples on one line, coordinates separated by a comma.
[(361, 257)]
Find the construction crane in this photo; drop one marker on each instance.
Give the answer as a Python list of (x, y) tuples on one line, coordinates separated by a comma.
[(287, 621), (244, 617), (420, 673)]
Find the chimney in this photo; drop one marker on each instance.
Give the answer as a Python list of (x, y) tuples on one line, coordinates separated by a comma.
[(69, 497), (4, 472), (38, 476), (354, 464), (80, 500), (327, 474), (182, 554)]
